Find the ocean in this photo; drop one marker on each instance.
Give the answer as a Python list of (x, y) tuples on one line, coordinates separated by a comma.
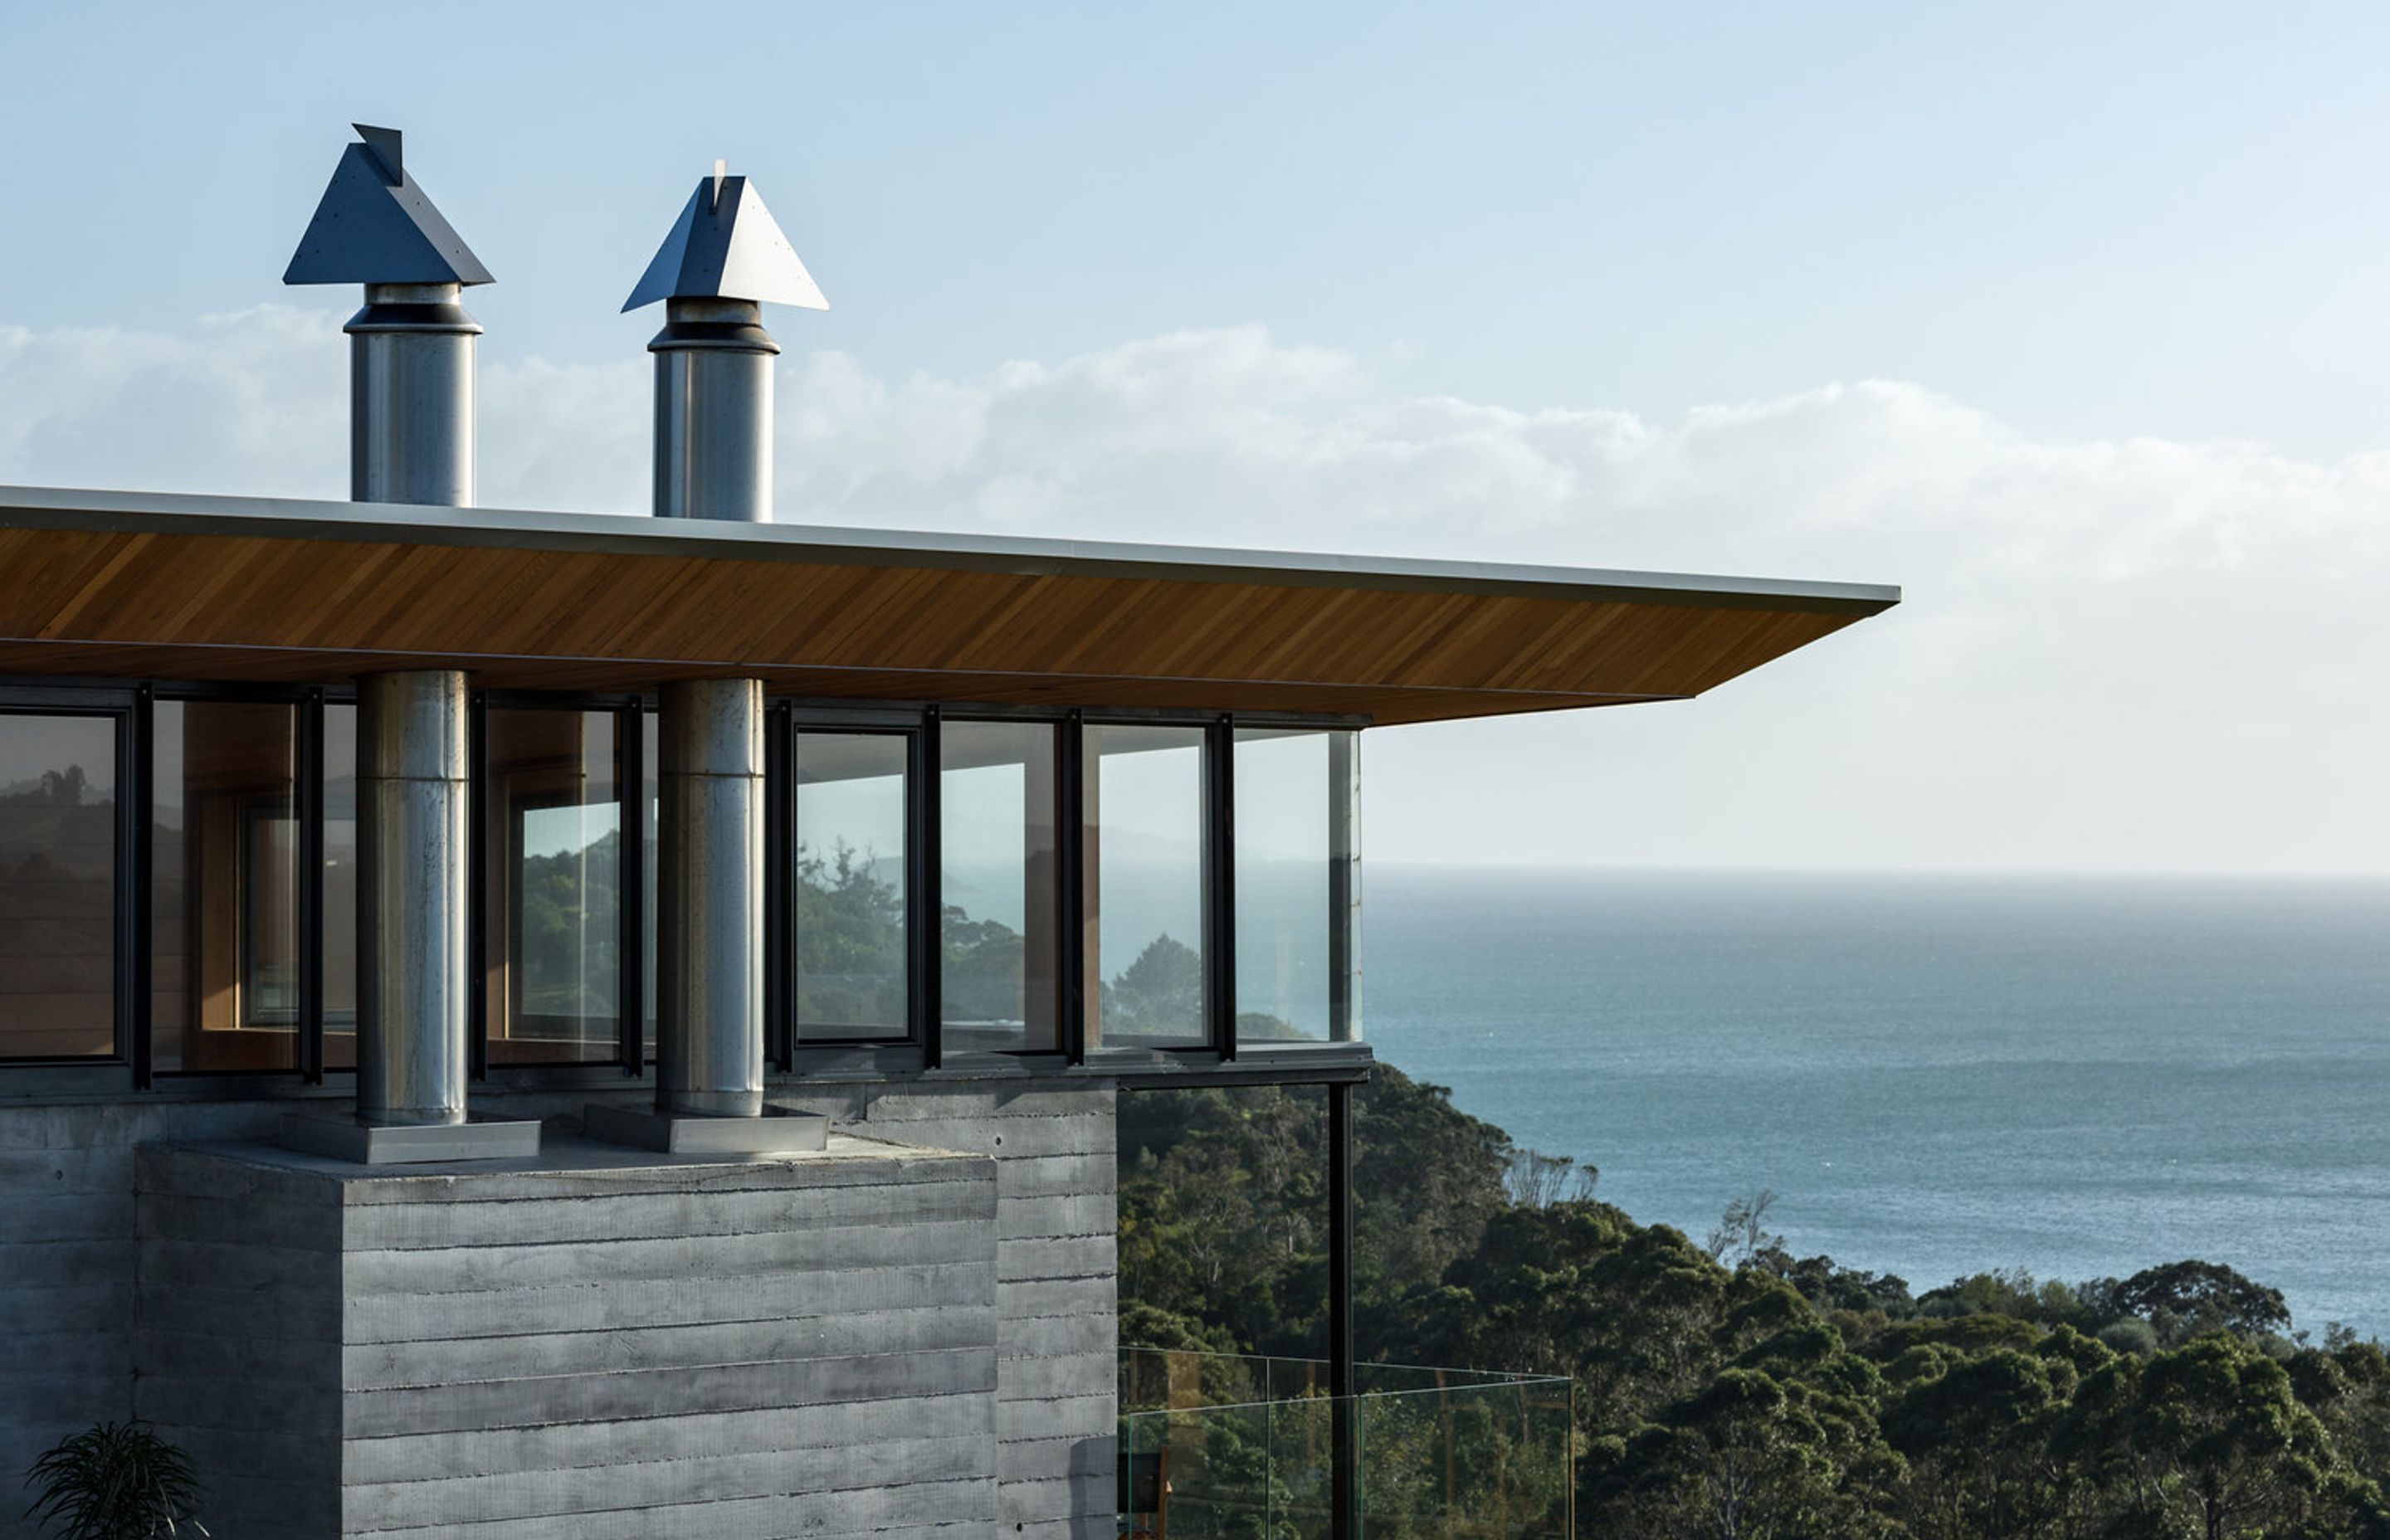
[(2080, 1076)]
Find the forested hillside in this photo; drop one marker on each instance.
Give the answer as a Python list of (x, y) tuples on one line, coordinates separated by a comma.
[(1728, 1389)]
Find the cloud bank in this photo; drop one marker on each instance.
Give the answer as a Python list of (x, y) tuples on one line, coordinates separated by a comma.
[(2142, 654)]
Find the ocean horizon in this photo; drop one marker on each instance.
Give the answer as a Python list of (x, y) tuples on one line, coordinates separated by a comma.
[(2080, 1076)]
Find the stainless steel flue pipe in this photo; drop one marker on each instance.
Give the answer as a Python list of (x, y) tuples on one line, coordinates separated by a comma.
[(414, 980), (714, 411), (410, 441), (721, 260), (411, 396), (710, 898)]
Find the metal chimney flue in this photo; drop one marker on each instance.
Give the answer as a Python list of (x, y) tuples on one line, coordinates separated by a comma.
[(411, 347), (410, 441), (724, 260), (411, 396)]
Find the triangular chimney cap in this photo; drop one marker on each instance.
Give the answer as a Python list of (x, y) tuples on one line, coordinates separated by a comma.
[(726, 246), (375, 225)]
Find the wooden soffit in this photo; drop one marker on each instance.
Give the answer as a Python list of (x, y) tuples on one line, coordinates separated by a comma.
[(142, 585)]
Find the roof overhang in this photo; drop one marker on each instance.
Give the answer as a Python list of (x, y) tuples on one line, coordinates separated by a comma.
[(150, 585)]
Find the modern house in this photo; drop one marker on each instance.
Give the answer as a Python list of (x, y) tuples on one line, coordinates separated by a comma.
[(522, 1025)]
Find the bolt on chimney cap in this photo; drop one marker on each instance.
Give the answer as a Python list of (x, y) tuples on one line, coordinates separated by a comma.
[(726, 246), (375, 225)]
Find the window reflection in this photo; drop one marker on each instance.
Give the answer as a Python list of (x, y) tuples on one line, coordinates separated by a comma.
[(1142, 832), (57, 886), (849, 886), (999, 957), (551, 914), (225, 886), (1297, 885), (340, 886)]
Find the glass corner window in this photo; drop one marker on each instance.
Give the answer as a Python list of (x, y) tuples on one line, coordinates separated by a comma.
[(1298, 883)]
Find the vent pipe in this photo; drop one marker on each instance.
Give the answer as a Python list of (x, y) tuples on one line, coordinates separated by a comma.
[(411, 347), (410, 441), (723, 261)]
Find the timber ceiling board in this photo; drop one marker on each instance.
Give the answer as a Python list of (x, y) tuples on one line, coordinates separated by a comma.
[(126, 586)]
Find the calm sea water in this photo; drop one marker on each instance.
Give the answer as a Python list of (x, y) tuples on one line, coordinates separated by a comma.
[(1937, 1076)]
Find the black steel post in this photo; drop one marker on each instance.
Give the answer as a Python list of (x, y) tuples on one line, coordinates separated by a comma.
[(1344, 1502), (135, 822), (925, 939), (631, 889), (310, 809)]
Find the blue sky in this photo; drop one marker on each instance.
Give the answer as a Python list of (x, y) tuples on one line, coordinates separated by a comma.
[(2093, 220), (2068, 317)]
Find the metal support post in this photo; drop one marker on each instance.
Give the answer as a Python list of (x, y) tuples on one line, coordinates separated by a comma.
[(1344, 1454)]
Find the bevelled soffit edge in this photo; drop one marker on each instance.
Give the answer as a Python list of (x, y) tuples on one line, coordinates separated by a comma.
[(374, 224), (726, 246)]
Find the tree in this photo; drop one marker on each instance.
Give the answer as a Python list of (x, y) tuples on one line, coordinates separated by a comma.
[(1977, 1441), (2222, 1414), (1536, 1180), (1158, 994), (2184, 1299), (1740, 1236)]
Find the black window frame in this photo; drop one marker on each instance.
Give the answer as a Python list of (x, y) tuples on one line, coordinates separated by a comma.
[(128, 975), (793, 1042), (1218, 866), (1069, 1024), (307, 807), (629, 1059), (129, 703)]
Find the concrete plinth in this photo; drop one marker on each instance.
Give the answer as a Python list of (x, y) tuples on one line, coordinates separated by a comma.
[(775, 1131), (596, 1343), (479, 1138)]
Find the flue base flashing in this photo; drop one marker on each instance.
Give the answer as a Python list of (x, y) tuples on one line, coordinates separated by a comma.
[(480, 1138), (779, 1131)]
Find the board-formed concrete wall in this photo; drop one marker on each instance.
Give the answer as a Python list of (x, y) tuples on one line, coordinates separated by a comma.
[(69, 1258)]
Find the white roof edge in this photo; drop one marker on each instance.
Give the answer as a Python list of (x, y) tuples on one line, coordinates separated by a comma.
[(76, 508)]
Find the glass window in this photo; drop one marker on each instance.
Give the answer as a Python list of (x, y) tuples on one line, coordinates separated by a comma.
[(1143, 830), (58, 887), (850, 879), (340, 886), (552, 920), (1298, 886), (224, 887), (999, 952)]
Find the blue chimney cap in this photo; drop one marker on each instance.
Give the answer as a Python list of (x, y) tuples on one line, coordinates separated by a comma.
[(375, 225)]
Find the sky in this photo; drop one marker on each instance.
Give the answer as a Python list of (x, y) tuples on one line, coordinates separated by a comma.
[(2071, 320)]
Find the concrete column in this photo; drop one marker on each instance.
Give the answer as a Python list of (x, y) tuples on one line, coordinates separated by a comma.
[(710, 899), (414, 986)]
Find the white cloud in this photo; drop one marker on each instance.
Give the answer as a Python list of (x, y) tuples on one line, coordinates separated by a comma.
[(2140, 654)]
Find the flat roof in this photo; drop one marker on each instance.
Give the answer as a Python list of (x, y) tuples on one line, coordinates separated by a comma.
[(127, 584)]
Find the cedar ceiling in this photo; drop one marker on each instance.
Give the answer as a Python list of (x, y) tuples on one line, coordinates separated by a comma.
[(131, 586)]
